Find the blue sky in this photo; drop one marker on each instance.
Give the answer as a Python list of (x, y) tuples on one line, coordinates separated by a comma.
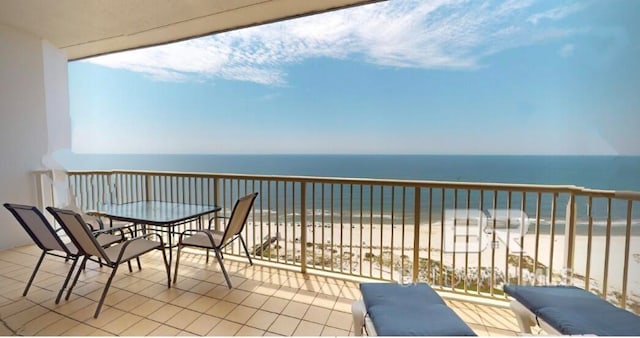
[(398, 77)]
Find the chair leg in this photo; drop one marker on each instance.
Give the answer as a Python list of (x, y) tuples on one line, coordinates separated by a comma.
[(33, 274), (167, 266), (106, 289), (129, 266), (75, 279), (66, 280), (207, 256), (224, 271), (139, 265), (175, 272), (244, 245)]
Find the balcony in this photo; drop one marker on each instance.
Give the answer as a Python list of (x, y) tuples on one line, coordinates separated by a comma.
[(313, 239), (265, 300)]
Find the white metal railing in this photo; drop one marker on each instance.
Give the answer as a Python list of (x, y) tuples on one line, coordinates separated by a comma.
[(402, 230)]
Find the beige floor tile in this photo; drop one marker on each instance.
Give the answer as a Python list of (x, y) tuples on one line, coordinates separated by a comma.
[(116, 296), (284, 325), (183, 318), (141, 328), (262, 319), (38, 323), (203, 288), (331, 289), (266, 289), (185, 299), (285, 293), (15, 307), (317, 315), (185, 283), (202, 304), (272, 334), (219, 292), (106, 316), (164, 313), (221, 309), (79, 330), (168, 295), (237, 296), (241, 314), (343, 304), (147, 308), (58, 327), (325, 301), (185, 333), (249, 331), (165, 330), (249, 285), (131, 302), (140, 284), (19, 319), (255, 300), (275, 304), (340, 320), (308, 329), (153, 290), (295, 309), (203, 324), (122, 323), (332, 331), (99, 333), (225, 328)]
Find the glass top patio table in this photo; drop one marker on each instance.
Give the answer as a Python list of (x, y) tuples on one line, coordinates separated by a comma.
[(161, 216), (156, 212)]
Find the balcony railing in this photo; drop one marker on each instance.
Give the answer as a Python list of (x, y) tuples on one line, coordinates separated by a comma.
[(469, 238)]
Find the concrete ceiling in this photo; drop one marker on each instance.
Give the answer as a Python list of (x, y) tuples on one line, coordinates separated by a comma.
[(85, 28)]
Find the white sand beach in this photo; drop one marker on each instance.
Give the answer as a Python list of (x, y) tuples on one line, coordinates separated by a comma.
[(361, 241)]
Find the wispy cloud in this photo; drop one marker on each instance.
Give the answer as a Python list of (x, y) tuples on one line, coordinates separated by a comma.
[(439, 34), (557, 13), (567, 50)]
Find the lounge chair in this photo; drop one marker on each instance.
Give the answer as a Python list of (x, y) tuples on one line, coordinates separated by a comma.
[(396, 310), (217, 240), (49, 241), (569, 310), (113, 256)]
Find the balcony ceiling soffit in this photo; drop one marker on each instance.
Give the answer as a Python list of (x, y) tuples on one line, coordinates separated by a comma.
[(85, 28)]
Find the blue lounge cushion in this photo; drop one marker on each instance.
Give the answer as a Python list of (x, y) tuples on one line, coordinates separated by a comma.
[(574, 311), (414, 310)]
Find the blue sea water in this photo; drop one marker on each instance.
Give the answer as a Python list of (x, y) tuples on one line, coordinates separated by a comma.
[(595, 172)]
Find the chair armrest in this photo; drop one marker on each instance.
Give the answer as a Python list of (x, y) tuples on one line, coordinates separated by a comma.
[(195, 231)]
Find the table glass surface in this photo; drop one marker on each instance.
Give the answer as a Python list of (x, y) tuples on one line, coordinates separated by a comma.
[(156, 212)]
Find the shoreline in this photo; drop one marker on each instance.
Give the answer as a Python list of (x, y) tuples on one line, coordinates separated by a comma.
[(366, 241)]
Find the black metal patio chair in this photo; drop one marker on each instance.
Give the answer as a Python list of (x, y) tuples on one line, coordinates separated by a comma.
[(48, 240), (113, 256), (217, 240)]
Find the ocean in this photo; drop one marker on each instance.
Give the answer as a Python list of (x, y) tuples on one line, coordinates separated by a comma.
[(594, 172)]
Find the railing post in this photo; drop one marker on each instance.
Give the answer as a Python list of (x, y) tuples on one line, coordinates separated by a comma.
[(148, 187), (416, 235), (303, 226), (216, 198), (569, 236)]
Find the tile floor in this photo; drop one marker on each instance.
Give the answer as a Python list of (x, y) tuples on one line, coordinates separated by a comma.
[(265, 301)]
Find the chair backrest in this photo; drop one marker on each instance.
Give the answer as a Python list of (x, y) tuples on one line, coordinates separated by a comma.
[(37, 226), (238, 217), (78, 231)]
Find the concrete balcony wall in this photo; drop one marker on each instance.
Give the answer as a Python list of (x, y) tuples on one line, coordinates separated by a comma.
[(35, 119)]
